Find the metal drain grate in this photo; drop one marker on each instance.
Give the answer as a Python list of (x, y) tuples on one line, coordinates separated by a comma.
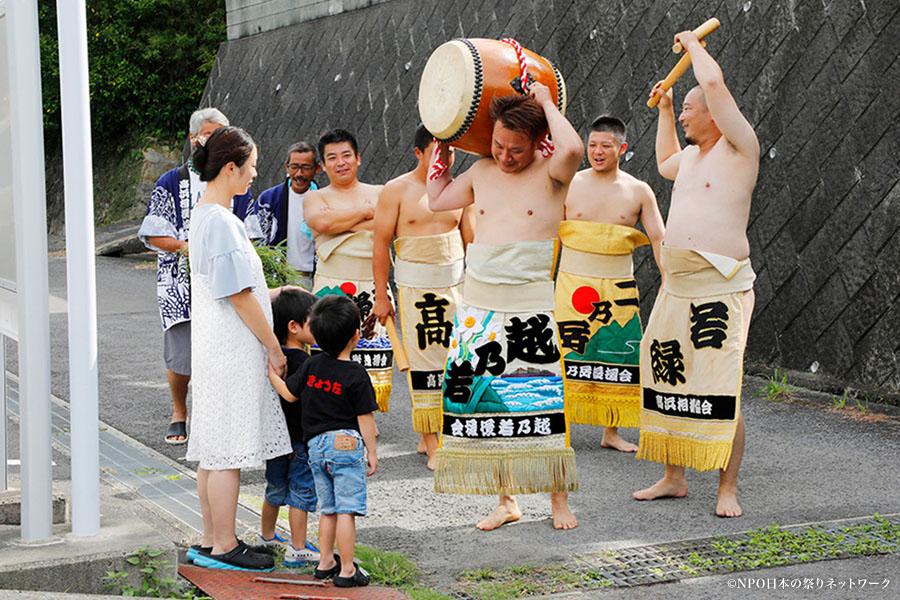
[(644, 565)]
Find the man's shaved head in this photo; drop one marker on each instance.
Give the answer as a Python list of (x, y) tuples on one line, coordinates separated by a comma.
[(696, 96)]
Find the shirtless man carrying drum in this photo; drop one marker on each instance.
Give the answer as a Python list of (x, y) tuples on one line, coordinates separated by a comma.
[(504, 428)]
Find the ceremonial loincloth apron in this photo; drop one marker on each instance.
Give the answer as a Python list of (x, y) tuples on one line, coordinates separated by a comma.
[(345, 267), (599, 321), (504, 426), (429, 272), (692, 360)]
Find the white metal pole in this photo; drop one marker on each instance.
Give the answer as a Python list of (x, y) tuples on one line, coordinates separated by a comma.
[(80, 271), (4, 450), (29, 206)]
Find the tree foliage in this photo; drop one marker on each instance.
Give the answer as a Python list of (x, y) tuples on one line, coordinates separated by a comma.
[(148, 63)]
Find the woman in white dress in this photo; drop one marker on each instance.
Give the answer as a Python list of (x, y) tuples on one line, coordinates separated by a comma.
[(236, 419)]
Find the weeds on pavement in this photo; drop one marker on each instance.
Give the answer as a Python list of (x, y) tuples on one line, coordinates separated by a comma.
[(776, 388), (153, 583), (773, 545)]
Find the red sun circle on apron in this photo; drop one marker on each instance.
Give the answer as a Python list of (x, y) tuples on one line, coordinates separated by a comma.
[(348, 288), (583, 299)]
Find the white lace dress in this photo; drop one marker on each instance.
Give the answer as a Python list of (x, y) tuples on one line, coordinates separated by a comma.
[(236, 418)]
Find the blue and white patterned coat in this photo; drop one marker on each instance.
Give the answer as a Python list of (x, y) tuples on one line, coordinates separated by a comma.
[(169, 215)]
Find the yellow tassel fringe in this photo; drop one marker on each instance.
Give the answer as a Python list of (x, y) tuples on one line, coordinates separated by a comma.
[(427, 420), (509, 472), (382, 395), (587, 408), (696, 454)]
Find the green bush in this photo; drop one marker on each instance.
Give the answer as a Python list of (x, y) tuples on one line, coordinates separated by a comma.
[(148, 64)]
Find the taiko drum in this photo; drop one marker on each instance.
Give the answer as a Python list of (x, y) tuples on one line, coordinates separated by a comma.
[(461, 78)]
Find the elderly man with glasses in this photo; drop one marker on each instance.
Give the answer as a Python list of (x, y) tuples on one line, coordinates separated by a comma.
[(279, 210)]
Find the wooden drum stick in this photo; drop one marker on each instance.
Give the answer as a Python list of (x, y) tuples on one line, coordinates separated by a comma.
[(677, 71), (399, 353), (701, 32)]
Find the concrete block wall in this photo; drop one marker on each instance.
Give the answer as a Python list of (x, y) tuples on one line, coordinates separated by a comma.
[(250, 17), (818, 79)]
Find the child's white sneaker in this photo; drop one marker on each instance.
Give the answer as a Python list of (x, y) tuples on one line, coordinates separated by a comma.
[(275, 542), (300, 558)]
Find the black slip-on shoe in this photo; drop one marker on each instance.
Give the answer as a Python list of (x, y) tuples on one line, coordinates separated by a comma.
[(241, 558), (329, 573), (359, 578)]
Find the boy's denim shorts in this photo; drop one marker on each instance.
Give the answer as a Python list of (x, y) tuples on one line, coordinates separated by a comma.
[(290, 481), (340, 474)]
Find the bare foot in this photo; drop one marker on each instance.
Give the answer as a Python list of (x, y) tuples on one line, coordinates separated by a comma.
[(664, 488), (432, 462), (563, 518), (728, 506), (421, 449), (504, 513), (612, 439)]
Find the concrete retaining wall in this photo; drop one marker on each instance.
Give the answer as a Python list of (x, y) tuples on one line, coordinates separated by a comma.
[(819, 80)]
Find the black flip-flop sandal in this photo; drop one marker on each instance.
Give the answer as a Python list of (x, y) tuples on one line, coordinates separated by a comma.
[(176, 429)]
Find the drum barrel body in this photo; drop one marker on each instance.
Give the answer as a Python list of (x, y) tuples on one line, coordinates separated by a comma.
[(461, 79)]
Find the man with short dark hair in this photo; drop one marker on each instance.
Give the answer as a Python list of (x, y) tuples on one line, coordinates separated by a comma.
[(693, 347), (165, 229), (341, 218), (596, 294), (428, 272), (504, 429), (279, 210)]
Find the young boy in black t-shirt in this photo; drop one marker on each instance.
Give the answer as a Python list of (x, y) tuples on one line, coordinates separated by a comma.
[(336, 401), (288, 478)]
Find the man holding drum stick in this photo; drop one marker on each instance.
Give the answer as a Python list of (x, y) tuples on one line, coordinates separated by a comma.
[(692, 349), (504, 428)]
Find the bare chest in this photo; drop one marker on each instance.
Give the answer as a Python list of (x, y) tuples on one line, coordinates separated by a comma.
[(614, 204), (415, 218)]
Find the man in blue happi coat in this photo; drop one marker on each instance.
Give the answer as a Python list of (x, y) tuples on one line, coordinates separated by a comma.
[(165, 229), (279, 210)]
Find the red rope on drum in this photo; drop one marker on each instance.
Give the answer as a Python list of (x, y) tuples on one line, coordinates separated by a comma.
[(438, 168), (520, 55), (546, 145)]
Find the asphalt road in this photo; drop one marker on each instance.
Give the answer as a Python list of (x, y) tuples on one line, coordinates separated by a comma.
[(803, 462)]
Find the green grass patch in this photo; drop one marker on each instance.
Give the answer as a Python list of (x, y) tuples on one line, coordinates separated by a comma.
[(387, 568), (424, 593), (776, 388), (482, 574), (146, 577), (773, 545)]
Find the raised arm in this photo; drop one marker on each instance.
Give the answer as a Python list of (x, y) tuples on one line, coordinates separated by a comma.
[(568, 147), (668, 148), (652, 221), (386, 213), (322, 219), (724, 110), (444, 192)]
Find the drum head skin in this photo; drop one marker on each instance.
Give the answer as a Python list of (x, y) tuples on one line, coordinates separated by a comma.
[(448, 89)]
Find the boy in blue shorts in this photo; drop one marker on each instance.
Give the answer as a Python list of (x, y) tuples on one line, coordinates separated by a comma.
[(336, 400), (288, 478)]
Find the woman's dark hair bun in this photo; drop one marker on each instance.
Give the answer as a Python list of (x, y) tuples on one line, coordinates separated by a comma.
[(198, 159), (226, 144)]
